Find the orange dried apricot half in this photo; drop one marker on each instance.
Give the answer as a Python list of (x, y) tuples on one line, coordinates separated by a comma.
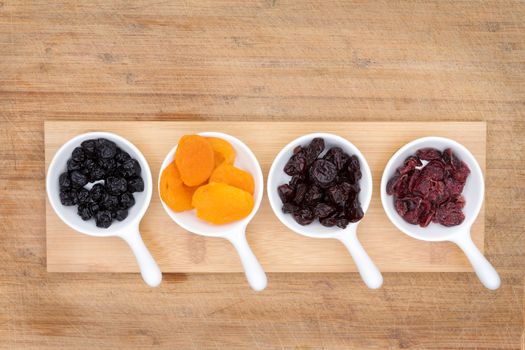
[(194, 159), (223, 151), (230, 175), (173, 191), (219, 203)]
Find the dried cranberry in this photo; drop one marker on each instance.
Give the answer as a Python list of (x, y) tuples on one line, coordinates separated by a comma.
[(432, 193), (428, 153)]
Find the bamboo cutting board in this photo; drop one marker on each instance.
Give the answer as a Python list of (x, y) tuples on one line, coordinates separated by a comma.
[(278, 249)]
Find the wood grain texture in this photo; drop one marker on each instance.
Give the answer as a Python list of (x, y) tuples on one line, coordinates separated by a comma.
[(266, 61), (278, 248)]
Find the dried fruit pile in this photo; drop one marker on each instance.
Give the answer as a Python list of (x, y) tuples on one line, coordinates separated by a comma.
[(116, 176), (203, 177), (430, 193), (324, 187)]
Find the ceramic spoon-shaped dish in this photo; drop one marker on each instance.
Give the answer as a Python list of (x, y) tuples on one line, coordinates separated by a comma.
[(234, 232), (348, 236), (472, 192), (127, 229)]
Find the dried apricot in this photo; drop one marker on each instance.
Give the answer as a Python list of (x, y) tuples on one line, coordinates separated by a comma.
[(195, 159), (233, 176), (219, 203), (173, 191), (222, 150)]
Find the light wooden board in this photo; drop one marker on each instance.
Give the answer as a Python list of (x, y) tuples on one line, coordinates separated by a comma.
[(279, 249)]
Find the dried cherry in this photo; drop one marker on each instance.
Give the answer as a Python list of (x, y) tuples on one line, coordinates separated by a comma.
[(322, 186)]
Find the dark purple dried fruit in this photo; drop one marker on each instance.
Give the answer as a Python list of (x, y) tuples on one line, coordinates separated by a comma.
[(72, 165), (122, 156), (323, 173), (289, 208), (78, 179), (313, 150), (106, 148), (97, 174), (110, 202), (108, 164), (299, 193), (82, 196), (84, 212), (103, 218), (68, 197), (78, 155), (121, 214), (94, 160), (135, 184), (97, 192), (116, 185), (313, 195), (126, 201), (286, 193), (296, 165), (64, 181), (336, 156), (304, 216), (323, 210), (89, 147), (328, 192), (432, 193), (130, 168)]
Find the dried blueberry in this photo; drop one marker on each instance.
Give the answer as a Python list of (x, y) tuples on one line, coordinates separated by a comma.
[(82, 196), (121, 214), (68, 197), (89, 147), (108, 164), (84, 212), (122, 156), (130, 168), (126, 201), (97, 174), (78, 179), (103, 218), (110, 202), (64, 181), (97, 192), (73, 165), (135, 184), (78, 155), (116, 185), (106, 148)]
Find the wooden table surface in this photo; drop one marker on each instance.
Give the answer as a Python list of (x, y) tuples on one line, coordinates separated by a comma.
[(259, 60)]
